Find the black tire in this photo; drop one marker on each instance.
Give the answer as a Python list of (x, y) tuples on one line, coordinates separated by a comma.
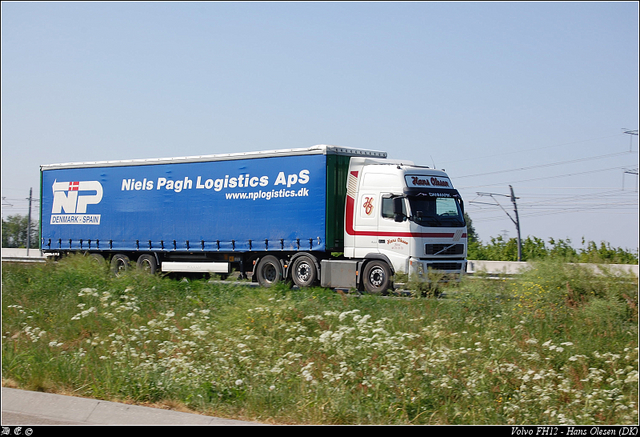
[(99, 259), (304, 272), (377, 277), (147, 263), (119, 264), (269, 271)]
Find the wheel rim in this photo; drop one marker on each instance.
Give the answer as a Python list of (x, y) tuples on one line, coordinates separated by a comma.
[(377, 276), (303, 271), (146, 265), (121, 266), (270, 273)]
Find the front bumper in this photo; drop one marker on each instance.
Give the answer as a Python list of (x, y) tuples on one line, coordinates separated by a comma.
[(447, 269)]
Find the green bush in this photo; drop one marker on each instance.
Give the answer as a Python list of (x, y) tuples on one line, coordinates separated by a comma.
[(535, 249)]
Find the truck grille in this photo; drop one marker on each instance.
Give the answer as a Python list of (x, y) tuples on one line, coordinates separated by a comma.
[(432, 249), (445, 266)]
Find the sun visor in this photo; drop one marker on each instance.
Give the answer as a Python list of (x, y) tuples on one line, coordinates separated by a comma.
[(432, 192)]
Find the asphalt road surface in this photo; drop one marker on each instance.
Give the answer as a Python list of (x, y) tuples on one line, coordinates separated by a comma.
[(28, 408)]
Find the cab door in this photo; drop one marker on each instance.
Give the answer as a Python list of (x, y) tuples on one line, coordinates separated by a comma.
[(394, 237)]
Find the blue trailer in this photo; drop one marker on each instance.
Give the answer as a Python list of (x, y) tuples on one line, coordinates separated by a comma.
[(274, 215)]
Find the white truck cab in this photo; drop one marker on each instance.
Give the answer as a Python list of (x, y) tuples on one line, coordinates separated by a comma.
[(409, 216)]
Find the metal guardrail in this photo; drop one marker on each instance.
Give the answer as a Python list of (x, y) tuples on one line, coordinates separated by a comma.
[(509, 268), (474, 267)]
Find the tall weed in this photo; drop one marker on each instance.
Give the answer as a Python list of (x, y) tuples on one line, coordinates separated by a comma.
[(556, 345)]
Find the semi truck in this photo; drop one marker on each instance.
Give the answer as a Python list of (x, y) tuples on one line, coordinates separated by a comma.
[(323, 215)]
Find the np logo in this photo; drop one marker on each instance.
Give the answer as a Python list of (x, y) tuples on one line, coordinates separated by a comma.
[(73, 198)]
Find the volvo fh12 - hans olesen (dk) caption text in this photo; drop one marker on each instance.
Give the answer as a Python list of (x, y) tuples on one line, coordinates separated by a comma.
[(324, 215)]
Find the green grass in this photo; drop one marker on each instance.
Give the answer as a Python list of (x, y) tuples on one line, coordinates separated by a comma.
[(556, 346)]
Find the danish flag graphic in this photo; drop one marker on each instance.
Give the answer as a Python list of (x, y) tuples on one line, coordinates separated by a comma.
[(73, 197)]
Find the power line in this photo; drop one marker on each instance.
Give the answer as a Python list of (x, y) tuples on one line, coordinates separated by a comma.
[(537, 148), (569, 198), (542, 210), (611, 202), (477, 219), (545, 177), (609, 155), (572, 203), (631, 171)]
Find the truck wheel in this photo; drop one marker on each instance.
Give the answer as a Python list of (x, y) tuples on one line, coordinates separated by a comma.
[(269, 271), (377, 277), (119, 264), (98, 259), (304, 272), (147, 263)]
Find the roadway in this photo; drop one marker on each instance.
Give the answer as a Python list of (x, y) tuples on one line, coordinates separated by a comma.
[(473, 266), (28, 408)]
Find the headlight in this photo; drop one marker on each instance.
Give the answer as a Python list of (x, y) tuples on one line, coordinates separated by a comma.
[(416, 267)]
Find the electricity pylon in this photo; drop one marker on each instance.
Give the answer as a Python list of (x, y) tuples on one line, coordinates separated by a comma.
[(515, 221)]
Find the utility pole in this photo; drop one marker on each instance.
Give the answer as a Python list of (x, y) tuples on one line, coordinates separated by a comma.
[(630, 132), (29, 222), (515, 221)]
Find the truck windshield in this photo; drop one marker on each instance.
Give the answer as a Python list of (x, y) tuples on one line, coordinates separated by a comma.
[(436, 211)]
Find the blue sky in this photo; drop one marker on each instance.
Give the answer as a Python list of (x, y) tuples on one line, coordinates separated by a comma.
[(533, 95)]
